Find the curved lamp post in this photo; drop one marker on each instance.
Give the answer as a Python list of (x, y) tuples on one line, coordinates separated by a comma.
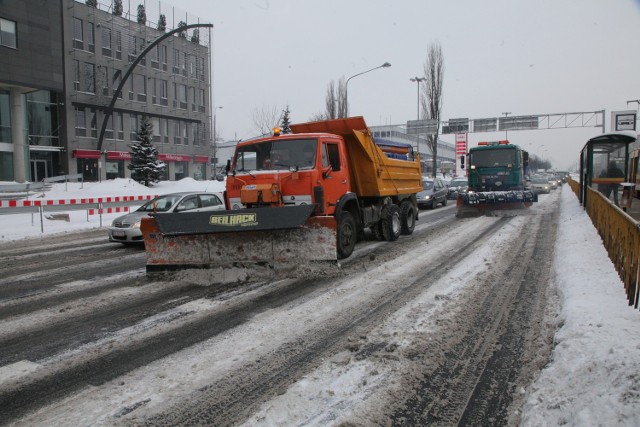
[(215, 143), (346, 86), (418, 80)]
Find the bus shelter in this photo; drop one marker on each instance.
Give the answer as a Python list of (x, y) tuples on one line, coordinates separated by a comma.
[(604, 163)]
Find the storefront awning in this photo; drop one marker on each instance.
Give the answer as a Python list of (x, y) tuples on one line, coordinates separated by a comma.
[(86, 154), (174, 157), (201, 159), (119, 155)]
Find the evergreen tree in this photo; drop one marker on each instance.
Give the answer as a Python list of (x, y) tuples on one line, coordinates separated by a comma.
[(195, 37), (162, 22), (117, 7), (285, 122), (92, 3), (142, 15), (145, 167), (182, 33)]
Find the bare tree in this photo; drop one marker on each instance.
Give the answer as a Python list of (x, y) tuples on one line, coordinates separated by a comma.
[(335, 101), (265, 118), (431, 98)]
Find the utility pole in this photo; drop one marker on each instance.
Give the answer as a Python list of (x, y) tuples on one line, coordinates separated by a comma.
[(418, 80), (505, 124)]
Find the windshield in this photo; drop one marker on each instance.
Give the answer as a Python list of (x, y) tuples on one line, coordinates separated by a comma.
[(539, 181), (277, 154), (493, 158), (458, 183), (427, 185), (160, 204)]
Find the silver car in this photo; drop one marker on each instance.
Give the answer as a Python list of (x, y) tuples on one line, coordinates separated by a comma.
[(126, 228)]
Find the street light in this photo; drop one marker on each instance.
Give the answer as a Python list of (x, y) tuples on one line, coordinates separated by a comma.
[(215, 144), (346, 86), (418, 80)]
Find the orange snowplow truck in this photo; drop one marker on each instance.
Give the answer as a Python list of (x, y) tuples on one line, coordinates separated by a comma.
[(292, 198)]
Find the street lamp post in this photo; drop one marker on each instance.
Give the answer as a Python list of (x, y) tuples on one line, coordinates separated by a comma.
[(418, 80), (346, 86), (215, 144)]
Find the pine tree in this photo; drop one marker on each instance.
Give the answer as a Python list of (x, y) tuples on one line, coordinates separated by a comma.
[(92, 3), (162, 22), (145, 167), (117, 7), (182, 33), (285, 122), (142, 15)]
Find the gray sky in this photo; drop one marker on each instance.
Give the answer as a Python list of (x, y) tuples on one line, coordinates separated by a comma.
[(522, 57)]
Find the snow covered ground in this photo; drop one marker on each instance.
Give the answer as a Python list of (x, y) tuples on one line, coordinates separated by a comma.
[(594, 375)]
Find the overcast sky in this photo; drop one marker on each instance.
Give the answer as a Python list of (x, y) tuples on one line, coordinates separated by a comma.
[(521, 57)]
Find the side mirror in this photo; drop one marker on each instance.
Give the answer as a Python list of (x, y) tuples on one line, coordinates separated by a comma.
[(326, 172)]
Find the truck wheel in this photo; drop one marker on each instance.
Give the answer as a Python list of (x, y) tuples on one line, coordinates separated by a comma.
[(391, 223), (347, 235), (408, 217)]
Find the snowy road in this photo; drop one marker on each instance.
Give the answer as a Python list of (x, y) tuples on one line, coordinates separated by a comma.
[(445, 326)]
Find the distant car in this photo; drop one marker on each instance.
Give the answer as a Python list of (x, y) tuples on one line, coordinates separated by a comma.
[(126, 228), (434, 191), (457, 185), (540, 185), (552, 182)]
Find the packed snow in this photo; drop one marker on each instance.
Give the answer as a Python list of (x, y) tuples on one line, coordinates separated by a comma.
[(594, 375)]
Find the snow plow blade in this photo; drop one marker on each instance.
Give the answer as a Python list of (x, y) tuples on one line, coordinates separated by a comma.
[(474, 204), (276, 237)]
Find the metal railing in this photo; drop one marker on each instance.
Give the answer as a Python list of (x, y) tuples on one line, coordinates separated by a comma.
[(620, 235)]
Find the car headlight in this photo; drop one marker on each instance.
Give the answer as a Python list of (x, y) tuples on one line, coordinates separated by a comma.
[(427, 197), (137, 224)]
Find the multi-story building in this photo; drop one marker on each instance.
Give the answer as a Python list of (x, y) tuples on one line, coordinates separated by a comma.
[(170, 85), (31, 88)]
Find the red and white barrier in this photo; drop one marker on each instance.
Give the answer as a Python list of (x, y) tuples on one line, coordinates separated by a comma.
[(107, 210), (87, 201)]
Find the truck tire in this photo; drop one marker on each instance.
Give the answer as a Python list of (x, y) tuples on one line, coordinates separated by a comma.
[(391, 223), (347, 235), (408, 217)]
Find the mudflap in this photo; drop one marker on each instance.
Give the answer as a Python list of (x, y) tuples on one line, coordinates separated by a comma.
[(281, 248), (494, 203)]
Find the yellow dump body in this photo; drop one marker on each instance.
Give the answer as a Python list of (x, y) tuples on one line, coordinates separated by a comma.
[(373, 174)]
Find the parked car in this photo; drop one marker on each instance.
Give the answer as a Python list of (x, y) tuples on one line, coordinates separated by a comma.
[(540, 185), (457, 185), (126, 228), (434, 191)]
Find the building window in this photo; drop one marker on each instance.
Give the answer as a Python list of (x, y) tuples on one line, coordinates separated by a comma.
[(164, 92), (194, 133), (93, 122), (117, 78), (192, 98), (5, 117), (119, 126), (181, 96), (76, 75), (140, 87), (106, 42), (78, 36), (163, 57), (133, 127), (81, 122), (88, 83), (118, 44), (177, 132), (8, 33), (91, 37), (155, 57), (132, 47), (202, 100)]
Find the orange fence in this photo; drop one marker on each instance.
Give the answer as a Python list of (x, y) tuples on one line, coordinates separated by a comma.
[(621, 237)]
